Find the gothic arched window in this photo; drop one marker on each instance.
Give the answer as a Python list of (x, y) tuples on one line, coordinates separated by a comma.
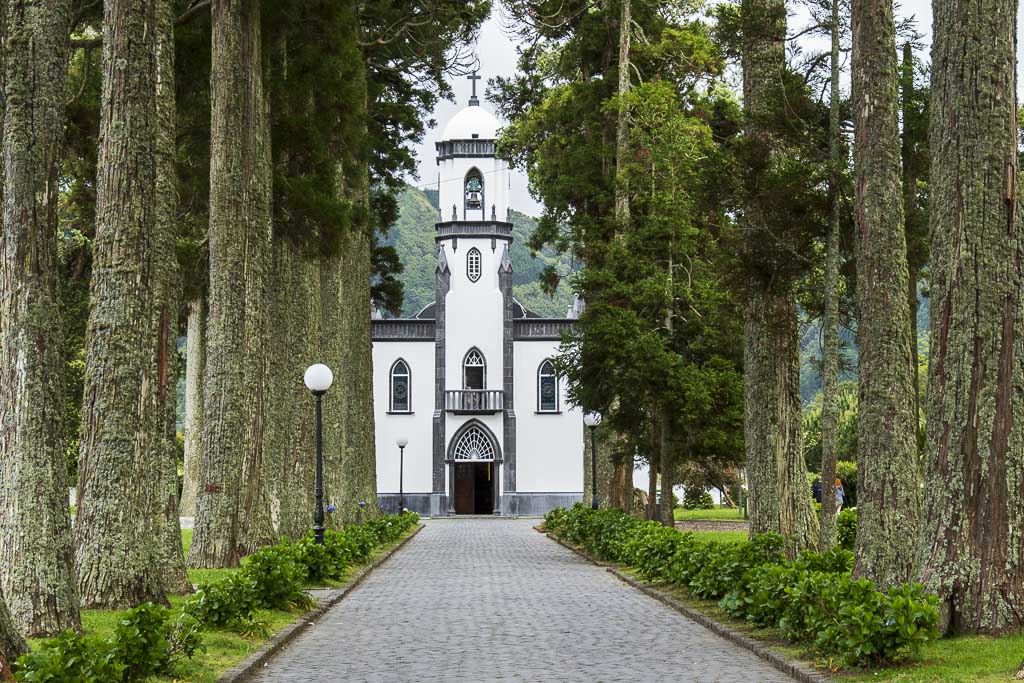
[(474, 370), (474, 189), (473, 267), (401, 387), (547, 388)]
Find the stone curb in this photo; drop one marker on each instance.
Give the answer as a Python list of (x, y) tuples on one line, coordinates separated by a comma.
[(255, 661), (796, 670)]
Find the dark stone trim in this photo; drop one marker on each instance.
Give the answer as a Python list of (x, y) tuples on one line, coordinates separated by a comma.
[(474, 148), (531, 504), (542, 329), (402, 329), (454, 229), (416, 502), (400, 412), (443, 284), (508, 378)]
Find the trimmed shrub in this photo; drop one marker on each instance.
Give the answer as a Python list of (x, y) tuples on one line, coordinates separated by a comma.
[(812, 600), (846, 528), (695, 498)]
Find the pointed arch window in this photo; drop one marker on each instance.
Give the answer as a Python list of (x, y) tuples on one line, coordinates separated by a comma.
[(547, 388), (473, 264), (401, 387), (474, 370)]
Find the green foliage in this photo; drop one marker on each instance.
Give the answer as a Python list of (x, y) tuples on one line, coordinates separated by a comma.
[(277, 578), (70, 658), (846, 528), (812, 599), (697, 499)]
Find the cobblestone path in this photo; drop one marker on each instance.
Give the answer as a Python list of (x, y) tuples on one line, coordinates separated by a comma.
[(493, 600)]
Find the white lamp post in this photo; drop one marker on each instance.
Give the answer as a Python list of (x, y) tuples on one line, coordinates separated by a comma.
[(318, 379), (592, 419), (401, 442)]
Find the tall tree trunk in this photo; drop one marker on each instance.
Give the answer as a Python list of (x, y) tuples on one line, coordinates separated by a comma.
[(35, 527), (12, 645), (358, 453), (622, 118), (888, 497), (909, 210), (831, 348), (779, 500), (667, 516), (195, 371), (972, 553), (232, 511), (166, 284), (621, 490), (295, 315), (127, 350)]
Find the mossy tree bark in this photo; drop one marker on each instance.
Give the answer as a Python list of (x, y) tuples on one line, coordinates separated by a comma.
[(35, 527), (779, 500), (295, 312), (12, 645), (972, 547), (830, 324), (888, 497), (232, 510), (126, 444), (166, 284), (195, 369)]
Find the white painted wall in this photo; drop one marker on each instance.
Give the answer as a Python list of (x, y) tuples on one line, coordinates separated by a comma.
[(473, 311), (451, 188), (417, 427), (549, 447)]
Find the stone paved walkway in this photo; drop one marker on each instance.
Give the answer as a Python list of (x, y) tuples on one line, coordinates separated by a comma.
[(493, 600)]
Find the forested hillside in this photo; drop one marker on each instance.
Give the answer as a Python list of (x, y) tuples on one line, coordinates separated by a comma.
[(413, 237)]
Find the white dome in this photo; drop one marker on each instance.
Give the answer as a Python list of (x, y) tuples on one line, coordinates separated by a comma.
[(469, 122)]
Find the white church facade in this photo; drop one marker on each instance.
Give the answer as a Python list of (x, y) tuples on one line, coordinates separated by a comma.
[(468, 382)]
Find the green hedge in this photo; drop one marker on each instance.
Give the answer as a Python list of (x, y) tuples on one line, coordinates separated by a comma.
[(813, 600), (150, 638)]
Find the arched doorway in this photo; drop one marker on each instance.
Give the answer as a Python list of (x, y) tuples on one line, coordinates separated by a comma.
[(473, 455)]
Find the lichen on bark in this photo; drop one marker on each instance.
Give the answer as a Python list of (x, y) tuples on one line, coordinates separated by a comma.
[(972, 541), (233, 510), (888, 497), (35, 526)]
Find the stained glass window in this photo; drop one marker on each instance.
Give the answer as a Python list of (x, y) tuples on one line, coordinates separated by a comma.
[(547, 387), (400, 389)]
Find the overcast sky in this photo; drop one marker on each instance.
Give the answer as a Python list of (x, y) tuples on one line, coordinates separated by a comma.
[(497, 55)]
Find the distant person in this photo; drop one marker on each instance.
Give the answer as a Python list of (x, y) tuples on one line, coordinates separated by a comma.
[(840, 495), (816, 490)]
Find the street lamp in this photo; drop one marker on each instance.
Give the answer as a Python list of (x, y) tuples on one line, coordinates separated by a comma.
[(401, 442), (318, 379), (592, 419)]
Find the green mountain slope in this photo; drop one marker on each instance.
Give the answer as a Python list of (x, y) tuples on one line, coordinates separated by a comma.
[(412, 236)]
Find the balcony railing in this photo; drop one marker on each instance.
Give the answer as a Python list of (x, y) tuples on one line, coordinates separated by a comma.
[(474, 401), (540, 329)]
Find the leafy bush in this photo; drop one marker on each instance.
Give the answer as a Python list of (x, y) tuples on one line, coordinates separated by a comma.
[(227, 603), (71, 658), (846, 528), (277, 579), (812, 599), (140, 641), (695, 498)]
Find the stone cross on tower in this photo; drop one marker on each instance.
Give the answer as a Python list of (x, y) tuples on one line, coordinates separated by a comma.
[(473, 78)]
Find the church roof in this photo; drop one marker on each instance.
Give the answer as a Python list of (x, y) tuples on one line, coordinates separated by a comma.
[(519, 311), (472, 122)]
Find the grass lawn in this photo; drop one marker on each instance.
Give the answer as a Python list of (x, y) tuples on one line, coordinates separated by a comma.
[(968, 659), (223, 649), (722, 536), (714, 514)]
